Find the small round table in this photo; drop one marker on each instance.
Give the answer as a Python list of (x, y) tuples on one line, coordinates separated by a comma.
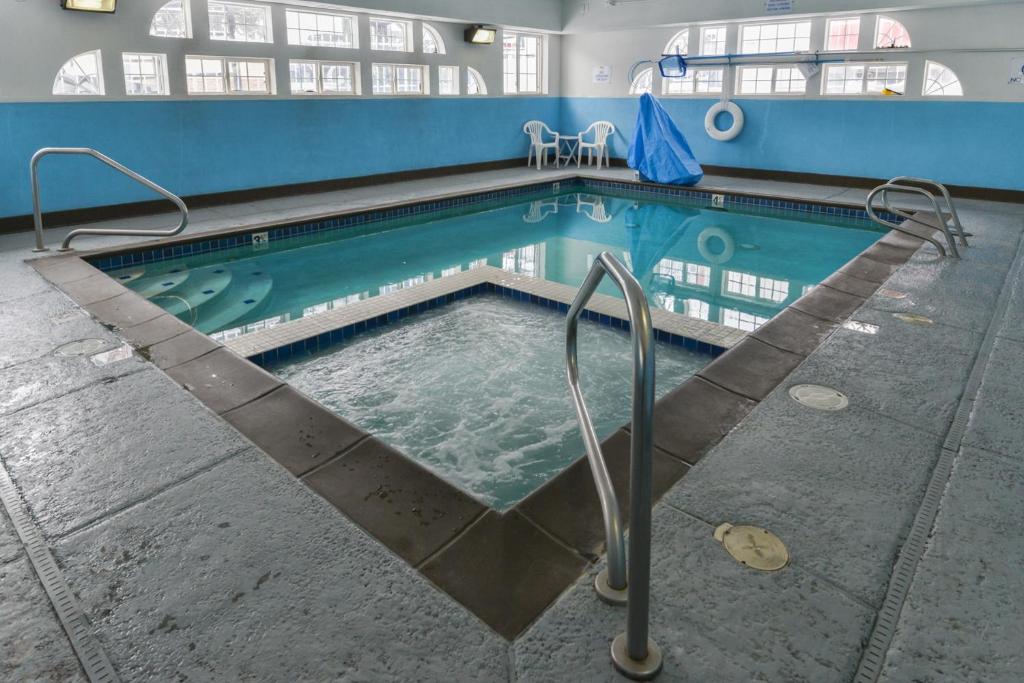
[(570, 148)]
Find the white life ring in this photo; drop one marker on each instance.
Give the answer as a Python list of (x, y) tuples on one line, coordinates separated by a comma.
[(732, 131), (702, 245)]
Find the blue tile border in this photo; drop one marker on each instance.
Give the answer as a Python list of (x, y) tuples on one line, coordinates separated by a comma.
[(112, 260), (327, 340)]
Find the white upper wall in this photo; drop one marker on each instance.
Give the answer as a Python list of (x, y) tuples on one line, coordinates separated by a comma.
[(599, 15), (978, 43), (545, 15)]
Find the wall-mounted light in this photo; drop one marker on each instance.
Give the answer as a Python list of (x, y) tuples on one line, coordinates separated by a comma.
[(481, 35), (107, 6)]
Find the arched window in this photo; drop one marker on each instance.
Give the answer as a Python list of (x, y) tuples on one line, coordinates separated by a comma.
[(172, 21), (680, 43), (80, 75), (940, 81), (891, 33), (432, 42), (643, 82), (475, 82)]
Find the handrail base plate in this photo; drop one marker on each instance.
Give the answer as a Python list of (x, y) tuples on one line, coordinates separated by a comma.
[(613, 596), (637, 670)]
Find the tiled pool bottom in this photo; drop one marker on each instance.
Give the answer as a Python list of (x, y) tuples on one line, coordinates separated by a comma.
[(476, 391)]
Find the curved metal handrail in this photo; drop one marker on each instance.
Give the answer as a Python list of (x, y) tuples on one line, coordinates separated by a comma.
[(633, 653), (38, 216), (881, 189), (903, 179)]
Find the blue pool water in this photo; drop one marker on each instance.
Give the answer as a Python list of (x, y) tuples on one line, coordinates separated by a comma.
[(733, 268), (476, 390)]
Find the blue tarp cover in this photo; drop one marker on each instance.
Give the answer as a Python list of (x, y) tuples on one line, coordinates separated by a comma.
[(659, 150)]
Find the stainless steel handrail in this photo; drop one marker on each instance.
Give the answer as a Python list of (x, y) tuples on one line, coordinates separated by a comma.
[(634, 654), (904, 179), (38, 216), (890, 187)]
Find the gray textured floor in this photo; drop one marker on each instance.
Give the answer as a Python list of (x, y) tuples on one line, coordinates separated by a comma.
[(195, 556)]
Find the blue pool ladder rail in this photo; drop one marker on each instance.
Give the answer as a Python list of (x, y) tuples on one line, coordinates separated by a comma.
[(634, 654)]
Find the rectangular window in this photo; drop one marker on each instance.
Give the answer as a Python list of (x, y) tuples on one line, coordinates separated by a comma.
[(857, 79), (747, 322), (743, 284), (771, 38), (399, 79), (695, 308), (447, 80), (712, 40), (765, 80), (145, 74), (393, 35), (842, 34), (218, 75), (695, 81), (324, 78), (205, 75), (521, 62), (240, 22), (321, 29), (773, 290), (699, 276)]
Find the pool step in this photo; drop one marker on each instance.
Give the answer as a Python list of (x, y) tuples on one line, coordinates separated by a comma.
[(248, 291), (202, 287), (150, 285)]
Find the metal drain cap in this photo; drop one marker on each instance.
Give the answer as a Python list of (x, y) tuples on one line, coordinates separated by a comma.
[(82, 347), (819, 397), (753, 546)]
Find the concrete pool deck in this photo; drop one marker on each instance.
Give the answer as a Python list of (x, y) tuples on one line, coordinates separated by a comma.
[(194, 555)]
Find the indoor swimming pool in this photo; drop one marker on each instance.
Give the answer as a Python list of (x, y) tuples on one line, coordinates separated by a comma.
[(474, 390)]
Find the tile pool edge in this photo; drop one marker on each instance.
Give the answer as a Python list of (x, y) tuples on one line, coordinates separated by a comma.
[(552, 535)]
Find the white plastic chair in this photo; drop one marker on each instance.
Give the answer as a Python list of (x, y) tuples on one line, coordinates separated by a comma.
[(539, 210), (594, 210), (601, 131), (536, 130)]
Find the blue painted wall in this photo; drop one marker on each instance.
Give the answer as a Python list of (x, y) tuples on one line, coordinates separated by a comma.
[(196, 147), (961, 143)]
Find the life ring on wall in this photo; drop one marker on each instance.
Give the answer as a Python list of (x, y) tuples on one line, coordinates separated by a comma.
[(732, 131), (726, 254)]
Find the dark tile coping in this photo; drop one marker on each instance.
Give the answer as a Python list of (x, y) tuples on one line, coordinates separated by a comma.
[(505, 568), (326, 340), (231, 238)]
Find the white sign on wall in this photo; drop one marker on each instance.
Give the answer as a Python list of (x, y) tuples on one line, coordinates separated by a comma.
[(602, 75), (778, 6), (1017, 71)]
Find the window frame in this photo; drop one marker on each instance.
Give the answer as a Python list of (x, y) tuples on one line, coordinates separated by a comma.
[(317, 12), (674, 39), (186, 11), (724, 28), (424, 80), (479, 78), (455, 81), (319, 65), (100, 84), (267, 11), (225, 63), (692, 76), (161, 74), (878, 31), (426, 28), (408, 29), (741, 49), (828, 33), (928, 63), (774, 91), (866, 65), (642, 74), (541, 63)]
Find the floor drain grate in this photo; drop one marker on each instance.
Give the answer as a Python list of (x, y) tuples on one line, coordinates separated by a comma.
[(94, 660), (819, 397), (82, 347)]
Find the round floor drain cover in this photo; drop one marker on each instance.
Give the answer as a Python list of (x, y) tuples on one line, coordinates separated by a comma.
[(818, 397), (892, 294), (753, 546), (914, 318), (82, 347)]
